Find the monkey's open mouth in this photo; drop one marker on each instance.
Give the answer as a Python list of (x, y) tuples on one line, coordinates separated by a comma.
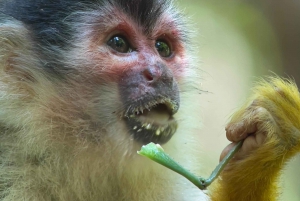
[(153, 122)]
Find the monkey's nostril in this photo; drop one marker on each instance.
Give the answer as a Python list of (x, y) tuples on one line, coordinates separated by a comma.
[(148, 75)]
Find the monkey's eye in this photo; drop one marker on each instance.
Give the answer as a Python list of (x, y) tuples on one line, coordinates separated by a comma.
[(119, 43), (163, 48)]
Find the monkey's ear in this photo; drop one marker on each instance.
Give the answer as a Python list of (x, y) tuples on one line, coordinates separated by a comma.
[(16, 52)]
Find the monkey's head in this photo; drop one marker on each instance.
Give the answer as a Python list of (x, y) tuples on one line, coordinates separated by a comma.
[(115, 65)]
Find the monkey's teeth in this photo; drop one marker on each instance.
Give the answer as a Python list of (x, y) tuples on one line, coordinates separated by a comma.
[(138, 111), (134, 128), (158, 132), (148, 126), (139, 130)]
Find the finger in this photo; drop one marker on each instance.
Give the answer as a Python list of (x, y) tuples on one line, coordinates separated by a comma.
[(251, 143), (226, 150), (236, 132)]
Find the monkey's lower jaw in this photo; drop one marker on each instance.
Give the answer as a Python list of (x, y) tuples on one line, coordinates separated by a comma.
[(155, 124)]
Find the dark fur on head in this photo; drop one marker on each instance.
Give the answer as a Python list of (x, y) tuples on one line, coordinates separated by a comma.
[(45, 18)]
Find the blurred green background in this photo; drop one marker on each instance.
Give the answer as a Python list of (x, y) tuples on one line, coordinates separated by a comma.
[(238, 42)]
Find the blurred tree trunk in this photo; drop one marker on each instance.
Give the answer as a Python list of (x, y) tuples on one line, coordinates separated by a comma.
[(285, 18)]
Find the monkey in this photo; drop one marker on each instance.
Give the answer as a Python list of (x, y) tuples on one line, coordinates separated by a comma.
[(85, 83)]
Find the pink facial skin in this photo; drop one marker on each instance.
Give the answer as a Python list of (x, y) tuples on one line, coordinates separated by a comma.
[(144, 52)]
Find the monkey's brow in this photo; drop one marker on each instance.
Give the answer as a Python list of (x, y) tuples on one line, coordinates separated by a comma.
[(145, 13)]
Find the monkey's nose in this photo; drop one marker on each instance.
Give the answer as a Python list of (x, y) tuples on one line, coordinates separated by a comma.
[(157, 73), (149, 75)]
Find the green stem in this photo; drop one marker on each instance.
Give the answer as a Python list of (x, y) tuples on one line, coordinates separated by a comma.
[(221, 166), (157, 154)]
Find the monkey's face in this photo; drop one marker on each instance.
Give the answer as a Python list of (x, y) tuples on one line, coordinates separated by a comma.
[(150, 97), (146, 65), (147, 87)]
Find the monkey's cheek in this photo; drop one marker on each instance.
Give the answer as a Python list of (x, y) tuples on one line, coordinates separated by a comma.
[(151, 132)]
